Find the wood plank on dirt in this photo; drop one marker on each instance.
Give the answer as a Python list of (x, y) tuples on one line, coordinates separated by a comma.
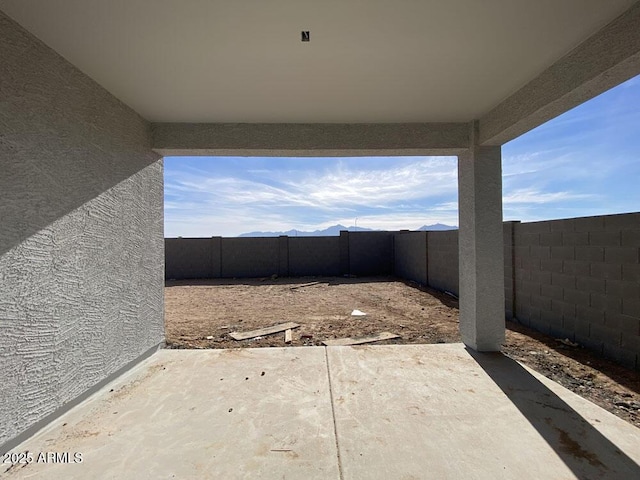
[(263, 331), (288, 336), (339, 342), (306, 285)]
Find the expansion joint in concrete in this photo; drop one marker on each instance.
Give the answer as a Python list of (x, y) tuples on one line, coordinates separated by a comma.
[(333, 413)]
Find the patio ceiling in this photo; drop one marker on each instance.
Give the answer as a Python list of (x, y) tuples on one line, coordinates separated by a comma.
[(368, 61)]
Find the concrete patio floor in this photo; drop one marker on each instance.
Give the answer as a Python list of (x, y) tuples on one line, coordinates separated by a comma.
[(369, 412)]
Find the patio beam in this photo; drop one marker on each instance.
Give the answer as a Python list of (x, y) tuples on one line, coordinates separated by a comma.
[(603, 61), (309, 140), (482, 314)]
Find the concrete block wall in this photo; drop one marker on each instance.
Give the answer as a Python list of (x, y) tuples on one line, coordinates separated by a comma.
[(218, 257), (442, 248), (575, 278), (371, 253), (360, 253), (509, 270), (410, 256), (81, 226), (314, 256), (192, 257), (580, 278), (442, 262), (250, 257)]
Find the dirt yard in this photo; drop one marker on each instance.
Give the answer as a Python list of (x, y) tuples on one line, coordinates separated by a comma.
[(202, 313)]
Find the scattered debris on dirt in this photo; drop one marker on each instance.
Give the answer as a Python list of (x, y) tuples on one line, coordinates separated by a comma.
[(304, 285), (195, 310), (567, 342), (261, 332), (202, 314)]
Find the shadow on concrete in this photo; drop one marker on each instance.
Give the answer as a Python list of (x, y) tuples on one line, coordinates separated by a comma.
[(623, 375), (583, 449)]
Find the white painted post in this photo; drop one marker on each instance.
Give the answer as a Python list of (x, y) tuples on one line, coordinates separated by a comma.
[(482, 308)]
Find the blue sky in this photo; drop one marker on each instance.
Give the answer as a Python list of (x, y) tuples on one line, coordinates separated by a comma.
[(584, 162)]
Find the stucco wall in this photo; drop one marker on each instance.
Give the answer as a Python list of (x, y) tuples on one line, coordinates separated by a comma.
[(81, 249)]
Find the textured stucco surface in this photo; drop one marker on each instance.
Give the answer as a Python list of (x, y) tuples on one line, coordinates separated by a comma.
[(304, 140), (81, 250), (480, 246)]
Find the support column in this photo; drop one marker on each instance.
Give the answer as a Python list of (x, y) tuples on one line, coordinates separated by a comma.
[(482, 307)]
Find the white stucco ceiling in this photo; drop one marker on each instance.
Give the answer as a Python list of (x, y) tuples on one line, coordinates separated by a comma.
[(373, 61)]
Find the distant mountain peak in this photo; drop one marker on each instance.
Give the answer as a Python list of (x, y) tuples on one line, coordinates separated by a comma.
[(437, 227), (335, 230), (331, 231)]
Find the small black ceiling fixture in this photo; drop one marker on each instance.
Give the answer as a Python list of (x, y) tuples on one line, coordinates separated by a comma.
[(305, 36)]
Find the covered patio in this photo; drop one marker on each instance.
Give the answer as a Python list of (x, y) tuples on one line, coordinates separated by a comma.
[(94, 94), (378, 412)]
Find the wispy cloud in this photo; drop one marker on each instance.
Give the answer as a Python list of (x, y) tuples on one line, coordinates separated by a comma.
[(585, 162), (531, 196), (330, 191)]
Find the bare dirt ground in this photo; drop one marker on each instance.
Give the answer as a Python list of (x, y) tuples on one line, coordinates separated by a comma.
[(202, 313)]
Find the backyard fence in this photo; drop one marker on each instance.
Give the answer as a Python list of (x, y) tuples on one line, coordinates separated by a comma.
[(355, 253), (577, 278)]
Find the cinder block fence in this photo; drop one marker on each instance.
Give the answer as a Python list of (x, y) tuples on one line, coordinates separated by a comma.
[(580, 278), (577, 278), (356, 253)]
